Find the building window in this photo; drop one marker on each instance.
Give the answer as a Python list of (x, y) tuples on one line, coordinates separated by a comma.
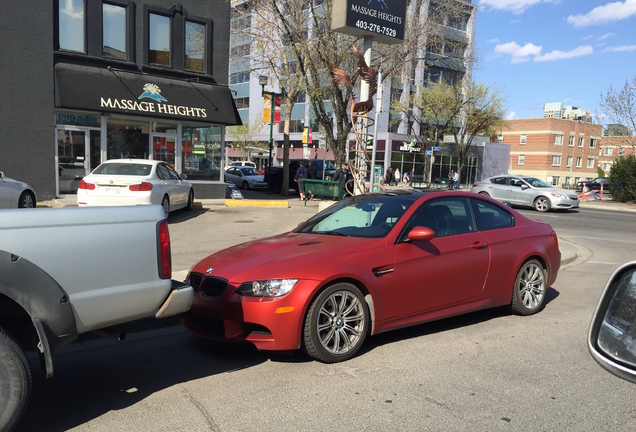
[(239, 77), (592, 143), (569, 161), (567, 181), (239, 51), (159, 36), (243, 102), (195, 46), (581, 141), (522, 159), (571, 143), (620, 151), (578, 162), (607, 151), (607, 166), (113, 31), (555, 180), (500, 139), (556, 160), (71, 25), (523, 139), (558, 139), (590, 162)]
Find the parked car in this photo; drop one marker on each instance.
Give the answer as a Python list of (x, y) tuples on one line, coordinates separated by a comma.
[(528, 191), (16, 194), (369, 264), (322, 167), (245, 177), (135, 182), (593, 185), (612, 334), (241, 164)]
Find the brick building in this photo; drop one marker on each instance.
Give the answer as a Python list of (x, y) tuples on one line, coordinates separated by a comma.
[(612, 147), (559, 151)]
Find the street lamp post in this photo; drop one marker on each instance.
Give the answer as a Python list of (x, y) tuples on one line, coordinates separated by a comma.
[(262, 80)]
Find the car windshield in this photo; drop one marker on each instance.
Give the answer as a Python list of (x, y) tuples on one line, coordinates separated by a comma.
[(125, 169), (535, 182), (248, 171), (361, 216)]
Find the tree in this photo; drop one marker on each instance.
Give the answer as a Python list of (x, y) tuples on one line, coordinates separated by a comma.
[(619, 107), (243, 136), (463, 112), (622, 179)]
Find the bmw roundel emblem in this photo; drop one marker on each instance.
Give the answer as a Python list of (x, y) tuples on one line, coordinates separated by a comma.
[(210, 270)]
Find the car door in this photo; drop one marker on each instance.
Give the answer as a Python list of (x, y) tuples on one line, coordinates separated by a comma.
[(5, 193), (496, 188), (180, 190), (449, 269), (519, 192), (166, 183)]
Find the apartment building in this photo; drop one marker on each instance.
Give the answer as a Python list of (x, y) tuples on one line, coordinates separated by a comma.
[(613, 147), (447, 59), (84, 81), (557, 150)]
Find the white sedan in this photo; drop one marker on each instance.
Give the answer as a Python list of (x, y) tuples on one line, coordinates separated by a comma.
[(135, 182), (15, 194)]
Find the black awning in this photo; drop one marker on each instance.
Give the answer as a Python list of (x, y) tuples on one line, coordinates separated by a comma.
[(114, 91)]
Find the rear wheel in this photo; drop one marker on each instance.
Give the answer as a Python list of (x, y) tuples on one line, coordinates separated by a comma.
[(528, 293), (190, 200), (27, 200), (541, 204), (484, 194), (17, 383), (165, 203), (336, 324)]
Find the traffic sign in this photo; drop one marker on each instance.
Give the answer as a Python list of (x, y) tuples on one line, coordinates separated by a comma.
[(428, 152), (435, 148)]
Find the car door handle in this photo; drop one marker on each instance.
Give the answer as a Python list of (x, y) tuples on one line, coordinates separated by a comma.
[(479, 245)]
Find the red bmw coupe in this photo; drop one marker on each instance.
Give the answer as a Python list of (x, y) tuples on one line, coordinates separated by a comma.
[(369, 264)]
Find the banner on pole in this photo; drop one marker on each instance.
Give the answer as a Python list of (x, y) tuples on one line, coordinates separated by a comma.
[(307, 136), (267, 108), (277, 102)]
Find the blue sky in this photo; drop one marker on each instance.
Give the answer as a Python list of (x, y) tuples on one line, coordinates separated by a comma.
[(540, 51)]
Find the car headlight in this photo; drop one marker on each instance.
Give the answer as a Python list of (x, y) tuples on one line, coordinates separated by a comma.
[(558, 195), (267, 288)]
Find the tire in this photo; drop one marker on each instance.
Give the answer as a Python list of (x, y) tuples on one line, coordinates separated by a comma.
[(17, 382), (528, 293), (484, 194), (339, 310), (245, 186), (188, 206), (27, 200), (165, 203), (541, 204)]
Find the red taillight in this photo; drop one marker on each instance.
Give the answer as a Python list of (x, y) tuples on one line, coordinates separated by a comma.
[(87, 186), (141, 187), (474, 184), (165, 257), (555, 238)]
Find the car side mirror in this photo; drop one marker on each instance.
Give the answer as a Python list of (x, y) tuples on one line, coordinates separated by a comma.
[(612, 334), (1, 175), (183, 176), (524, 187), (421, 234)]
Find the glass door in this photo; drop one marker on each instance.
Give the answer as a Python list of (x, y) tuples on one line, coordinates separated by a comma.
[(164, 147), (78, 152)]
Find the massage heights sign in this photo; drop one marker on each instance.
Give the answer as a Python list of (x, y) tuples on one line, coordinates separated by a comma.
[(381, 19)]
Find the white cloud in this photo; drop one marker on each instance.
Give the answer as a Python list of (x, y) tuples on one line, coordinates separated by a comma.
[(515, 6), (511, 115), (519, 54), (606, 35), (622, 48), (561, 55), (610, 12)]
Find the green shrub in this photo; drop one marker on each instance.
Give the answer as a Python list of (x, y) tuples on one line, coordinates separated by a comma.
[(622, 179)]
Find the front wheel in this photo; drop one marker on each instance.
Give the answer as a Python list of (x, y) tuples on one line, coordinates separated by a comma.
[(17, 382), (541, 204), (190, 200), (528, 293), (246, 186), (165, 203), (336, 324), (27, 200)]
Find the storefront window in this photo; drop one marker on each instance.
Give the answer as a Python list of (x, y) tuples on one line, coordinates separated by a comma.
[(114, 31), (71, 25), (127, 139), (202, 153), (160, 127)]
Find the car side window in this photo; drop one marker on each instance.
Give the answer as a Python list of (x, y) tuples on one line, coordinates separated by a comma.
[(498, 180), (515, 182), (490, 216), (172, 173), (162, 172), (446, 216)]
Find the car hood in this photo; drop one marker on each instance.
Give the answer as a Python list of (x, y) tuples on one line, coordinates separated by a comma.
[(286, 255), (554, 190)]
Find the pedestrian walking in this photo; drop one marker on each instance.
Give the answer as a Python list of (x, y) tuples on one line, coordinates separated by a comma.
[(397, 177), (301, 173), (388, 179)]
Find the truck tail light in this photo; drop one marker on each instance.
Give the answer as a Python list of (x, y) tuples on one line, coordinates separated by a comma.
[(141, 187), (85, 185), (165, 256)]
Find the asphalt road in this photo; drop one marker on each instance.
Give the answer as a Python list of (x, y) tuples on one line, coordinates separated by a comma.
[(486, 371)]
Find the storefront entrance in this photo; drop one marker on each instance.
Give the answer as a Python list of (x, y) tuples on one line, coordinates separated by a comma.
[(164, 147), (77, 153)]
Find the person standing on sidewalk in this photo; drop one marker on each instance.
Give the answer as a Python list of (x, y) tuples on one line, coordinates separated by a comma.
[(301, 173)]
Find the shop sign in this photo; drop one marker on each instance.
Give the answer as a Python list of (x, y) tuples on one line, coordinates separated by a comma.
[(381, 19), (408, 147), (157, 104), (77, 119)]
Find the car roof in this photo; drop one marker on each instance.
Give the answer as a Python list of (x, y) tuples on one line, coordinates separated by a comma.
[(134, 161)]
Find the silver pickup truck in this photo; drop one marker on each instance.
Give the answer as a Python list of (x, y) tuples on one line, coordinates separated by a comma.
[(65, 272)]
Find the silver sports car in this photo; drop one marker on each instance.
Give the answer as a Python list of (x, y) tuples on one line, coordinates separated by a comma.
[(15, 194), (528, 191)]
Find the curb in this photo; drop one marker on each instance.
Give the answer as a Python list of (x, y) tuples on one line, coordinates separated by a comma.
[(256, 203)]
